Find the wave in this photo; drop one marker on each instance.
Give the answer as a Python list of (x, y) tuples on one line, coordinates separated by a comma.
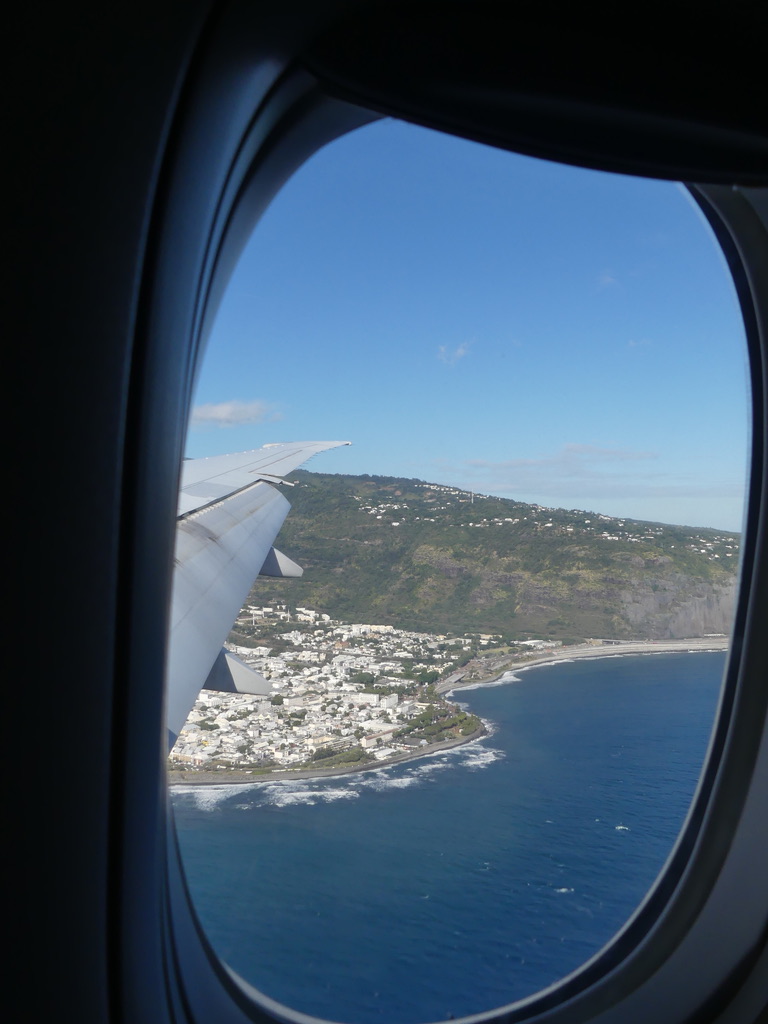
[(439, 764), (309, 792), (503, 680), (206, 798), (399, 782), (551, 662), (290, 794), (482, 757)]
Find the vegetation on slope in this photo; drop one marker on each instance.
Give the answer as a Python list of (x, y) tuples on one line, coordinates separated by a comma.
[(437, 559)]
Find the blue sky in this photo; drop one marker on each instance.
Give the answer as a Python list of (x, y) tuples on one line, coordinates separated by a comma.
[(477, 318)]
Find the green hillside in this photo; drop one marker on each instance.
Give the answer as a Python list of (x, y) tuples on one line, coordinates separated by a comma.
[(433, 558)]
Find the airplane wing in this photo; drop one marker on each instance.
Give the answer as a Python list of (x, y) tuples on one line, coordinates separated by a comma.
[(229, 515)]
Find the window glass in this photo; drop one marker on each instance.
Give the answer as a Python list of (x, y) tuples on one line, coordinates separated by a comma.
[(489, 697)]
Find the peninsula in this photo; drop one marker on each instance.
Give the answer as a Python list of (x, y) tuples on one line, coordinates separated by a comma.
[(350, 697)]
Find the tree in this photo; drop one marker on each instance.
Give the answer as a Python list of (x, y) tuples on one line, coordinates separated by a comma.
[(362, 677)]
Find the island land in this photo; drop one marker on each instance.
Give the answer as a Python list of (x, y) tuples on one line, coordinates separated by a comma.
[(490, 667), (463, 588)]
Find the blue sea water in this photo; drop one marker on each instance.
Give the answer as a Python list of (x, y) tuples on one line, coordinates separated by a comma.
[(467, 879)]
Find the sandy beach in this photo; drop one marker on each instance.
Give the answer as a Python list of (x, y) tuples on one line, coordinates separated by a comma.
[(554, 656), (609, 649)]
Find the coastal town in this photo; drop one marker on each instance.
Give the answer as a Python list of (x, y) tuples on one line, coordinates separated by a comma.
[(343, 696), (340, 695)]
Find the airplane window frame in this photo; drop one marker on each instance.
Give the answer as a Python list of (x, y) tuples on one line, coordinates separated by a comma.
[(244, 141)]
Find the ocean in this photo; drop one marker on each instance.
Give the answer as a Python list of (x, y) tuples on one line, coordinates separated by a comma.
[(467, 879)]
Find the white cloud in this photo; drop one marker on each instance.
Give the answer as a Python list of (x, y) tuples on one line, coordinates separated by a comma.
[(451, 358), (573, 460), (584, 472), (615, 481), (233, 413), (576, 471), (606, 280)]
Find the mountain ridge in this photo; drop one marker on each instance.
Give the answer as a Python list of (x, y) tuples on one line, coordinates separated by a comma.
[(435, 558)]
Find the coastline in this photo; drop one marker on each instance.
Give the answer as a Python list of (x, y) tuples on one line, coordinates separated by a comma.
[(619, 649), (235, 777)]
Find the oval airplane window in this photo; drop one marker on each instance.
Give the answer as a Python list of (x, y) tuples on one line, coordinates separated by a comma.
[(439, 770)]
